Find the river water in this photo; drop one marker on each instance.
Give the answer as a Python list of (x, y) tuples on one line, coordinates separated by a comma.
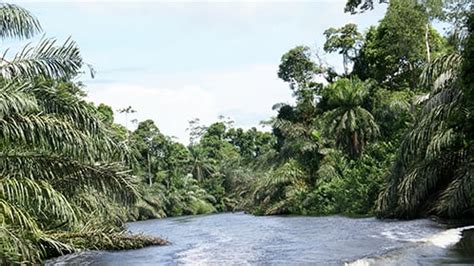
[(242, 239)]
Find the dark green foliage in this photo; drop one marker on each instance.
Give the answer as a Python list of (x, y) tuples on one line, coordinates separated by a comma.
[(297, 67), (346, 40), (251, 144), (106, 113), (392, 111), (434, 169), (352, 186), (467, 80), (348, 122), (394, 51), (354, 6)]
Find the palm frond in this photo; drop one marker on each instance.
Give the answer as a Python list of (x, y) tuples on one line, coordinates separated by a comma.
[(350, 124), (440, 71), (16, 247), (47, 200), (45, 60), (76, 111), (457, 197), (14, 99), (15, 215), (432, 169), (17, 22), (49, 133), (69, 176)]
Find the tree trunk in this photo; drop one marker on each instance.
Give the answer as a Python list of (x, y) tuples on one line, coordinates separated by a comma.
[(345, 62), (427, 42), (355, 149), (149, 169)]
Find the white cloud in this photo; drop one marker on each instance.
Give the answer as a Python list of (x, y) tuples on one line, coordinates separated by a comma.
[(252, 89), (171, 109), (245, 94)]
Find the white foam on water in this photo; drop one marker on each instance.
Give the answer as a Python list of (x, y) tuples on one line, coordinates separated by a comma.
[(399, 236), (447, 238), (361, 262), (444, 239)]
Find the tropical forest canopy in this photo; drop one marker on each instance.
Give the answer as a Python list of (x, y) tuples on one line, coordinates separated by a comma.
[(391, 136)]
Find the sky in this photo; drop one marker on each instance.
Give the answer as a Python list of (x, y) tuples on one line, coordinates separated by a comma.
[(174, 61)]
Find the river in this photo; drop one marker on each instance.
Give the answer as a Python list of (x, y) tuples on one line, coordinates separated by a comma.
[(242, 239)]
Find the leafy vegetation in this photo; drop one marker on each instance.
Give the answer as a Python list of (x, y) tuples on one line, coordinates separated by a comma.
[(434, 169), (391, 136), (393, 126), (63, 182)]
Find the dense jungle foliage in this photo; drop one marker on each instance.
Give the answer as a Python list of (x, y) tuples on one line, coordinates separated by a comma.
[(392, 136)]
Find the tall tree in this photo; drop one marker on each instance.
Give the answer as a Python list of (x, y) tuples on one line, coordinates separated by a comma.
[(346, 40), (433, 173), (355, 6), (350, 124), (297, 68), (395, 51)]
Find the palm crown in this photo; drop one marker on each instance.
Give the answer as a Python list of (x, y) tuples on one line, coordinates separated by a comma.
[(350, 124), (54, 151)]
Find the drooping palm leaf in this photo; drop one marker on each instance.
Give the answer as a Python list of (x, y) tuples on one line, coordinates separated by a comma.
[(17, 22), (46, 59), (433, 168)]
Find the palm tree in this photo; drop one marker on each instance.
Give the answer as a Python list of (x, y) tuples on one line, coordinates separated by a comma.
[(350, 124), (53, 148), (58, 164), (434, 169), (45, 59), (202, 167), (301, 142), (276, 192)]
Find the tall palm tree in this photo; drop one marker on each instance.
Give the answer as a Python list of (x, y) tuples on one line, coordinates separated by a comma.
[(435, 167), (202, 167), (434, 171), (350, 124), (53, 148), (57, 159)]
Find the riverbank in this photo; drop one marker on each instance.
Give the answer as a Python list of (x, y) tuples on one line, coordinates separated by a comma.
[(464, 249), (80, 242), (449, 247)]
